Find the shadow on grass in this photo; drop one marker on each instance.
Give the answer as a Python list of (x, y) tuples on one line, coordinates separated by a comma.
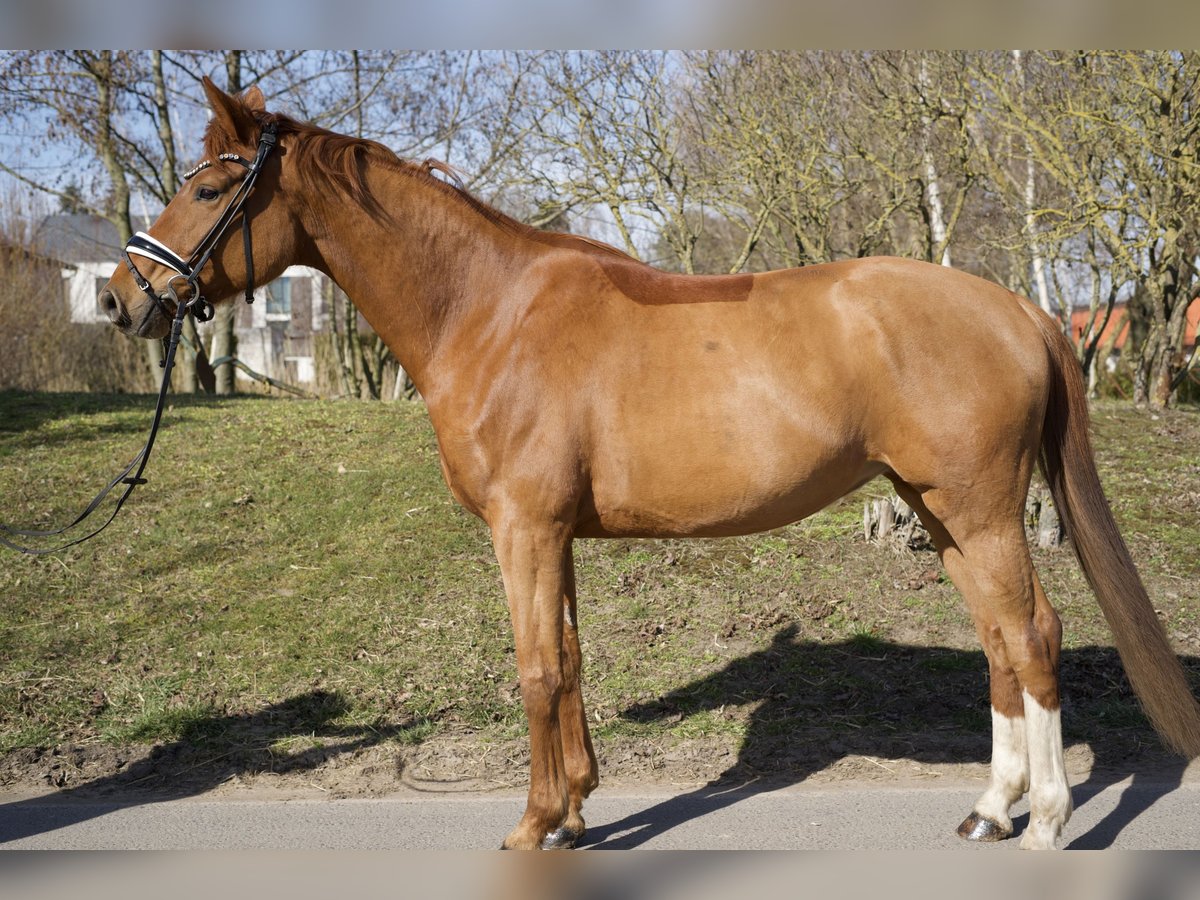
[(820, 702), (209, 751), (22, 411)]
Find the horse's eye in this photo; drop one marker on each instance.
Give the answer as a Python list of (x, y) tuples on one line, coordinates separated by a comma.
[(207, 193)]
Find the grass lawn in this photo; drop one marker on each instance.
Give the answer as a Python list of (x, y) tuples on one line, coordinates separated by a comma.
[(296, 576)]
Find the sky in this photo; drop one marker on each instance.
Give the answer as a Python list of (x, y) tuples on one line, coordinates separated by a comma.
[(593, 24), (56, 162), (586, 24)]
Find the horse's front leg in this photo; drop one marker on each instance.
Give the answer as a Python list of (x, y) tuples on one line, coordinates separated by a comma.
[(531, 557), (583, 774)]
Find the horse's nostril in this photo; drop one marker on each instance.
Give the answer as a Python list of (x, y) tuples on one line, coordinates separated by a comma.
[(110, 306)]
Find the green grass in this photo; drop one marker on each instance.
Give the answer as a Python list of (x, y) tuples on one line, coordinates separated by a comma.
[(308, 549)]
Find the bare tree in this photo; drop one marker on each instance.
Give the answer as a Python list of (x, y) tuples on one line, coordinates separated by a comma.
[(224, 337), (1029, 196), (1070, 177), (1114, 134), (83, 94), (193, 370)]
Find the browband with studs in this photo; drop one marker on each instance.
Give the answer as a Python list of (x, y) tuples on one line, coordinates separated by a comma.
[(204, 164)]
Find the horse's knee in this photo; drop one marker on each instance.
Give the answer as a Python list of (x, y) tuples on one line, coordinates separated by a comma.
[(1022, 657), (541, 689)]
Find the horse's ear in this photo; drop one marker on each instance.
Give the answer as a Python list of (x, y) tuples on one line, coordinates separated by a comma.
[(253, 98), (230, 114)]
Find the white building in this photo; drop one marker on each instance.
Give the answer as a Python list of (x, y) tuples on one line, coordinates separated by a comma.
[(274, 335)]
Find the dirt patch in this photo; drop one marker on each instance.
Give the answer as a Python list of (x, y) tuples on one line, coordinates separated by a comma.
[(445, 763), (456, 761)]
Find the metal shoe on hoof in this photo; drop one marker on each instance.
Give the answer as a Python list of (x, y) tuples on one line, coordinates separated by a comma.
[(561, 839), (980, 828)]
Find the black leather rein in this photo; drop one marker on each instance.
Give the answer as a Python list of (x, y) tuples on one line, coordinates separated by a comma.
[(188, 270)]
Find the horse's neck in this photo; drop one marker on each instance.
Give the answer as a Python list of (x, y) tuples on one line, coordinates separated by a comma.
[(418, 270)]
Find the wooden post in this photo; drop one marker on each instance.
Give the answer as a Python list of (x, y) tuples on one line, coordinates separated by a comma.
[(1049, 528), (887, 518)]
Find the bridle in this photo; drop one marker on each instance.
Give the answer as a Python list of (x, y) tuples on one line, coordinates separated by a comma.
[(142, 244)]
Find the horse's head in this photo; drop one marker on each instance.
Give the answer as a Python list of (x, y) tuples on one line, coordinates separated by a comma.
[(202, 229)]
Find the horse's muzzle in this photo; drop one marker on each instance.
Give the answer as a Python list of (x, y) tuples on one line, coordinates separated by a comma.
[(110, 304), (144, 322)]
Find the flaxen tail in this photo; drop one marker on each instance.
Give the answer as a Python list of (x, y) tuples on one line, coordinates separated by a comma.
[(1070, 470)]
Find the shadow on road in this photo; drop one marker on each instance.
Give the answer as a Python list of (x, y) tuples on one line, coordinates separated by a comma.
[(208, 753), (819, 703), (814, 704)]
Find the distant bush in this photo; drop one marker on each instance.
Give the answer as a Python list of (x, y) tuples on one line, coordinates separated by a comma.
[(42, 349)]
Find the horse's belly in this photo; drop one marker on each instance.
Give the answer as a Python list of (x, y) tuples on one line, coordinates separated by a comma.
[(714, 477)]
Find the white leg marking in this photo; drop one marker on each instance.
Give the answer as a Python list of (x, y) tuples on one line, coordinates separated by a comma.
[(1049, 794), (1010, 770)]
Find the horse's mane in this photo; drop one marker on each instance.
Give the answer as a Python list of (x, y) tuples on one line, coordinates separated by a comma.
[(324, 156)]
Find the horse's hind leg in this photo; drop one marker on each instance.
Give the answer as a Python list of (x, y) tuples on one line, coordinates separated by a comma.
[(583, 774), (1021, 725), (1021, 636)]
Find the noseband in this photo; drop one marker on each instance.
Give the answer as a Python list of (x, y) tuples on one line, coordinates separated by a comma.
[(142, 244), (188, 270)]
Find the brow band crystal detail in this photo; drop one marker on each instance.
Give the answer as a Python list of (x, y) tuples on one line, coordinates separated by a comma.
[(204, 164), (200, 167)]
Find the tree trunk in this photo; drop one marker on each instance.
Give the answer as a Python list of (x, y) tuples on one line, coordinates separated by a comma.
[(1172, 359), (378, 357), (352, 347), (1160, 354), (1035, 251), (342, 318), (190, 357), (224, 341), (403, 386), (938, 245), (100, 67)]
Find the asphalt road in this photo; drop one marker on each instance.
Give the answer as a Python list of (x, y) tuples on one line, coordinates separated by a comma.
[(1137, 813)]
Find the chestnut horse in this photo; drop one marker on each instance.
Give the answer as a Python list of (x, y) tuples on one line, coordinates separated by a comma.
[(577, 392)]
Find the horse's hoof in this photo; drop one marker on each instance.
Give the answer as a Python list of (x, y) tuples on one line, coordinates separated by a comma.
[(561, 839), (980, 828)]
